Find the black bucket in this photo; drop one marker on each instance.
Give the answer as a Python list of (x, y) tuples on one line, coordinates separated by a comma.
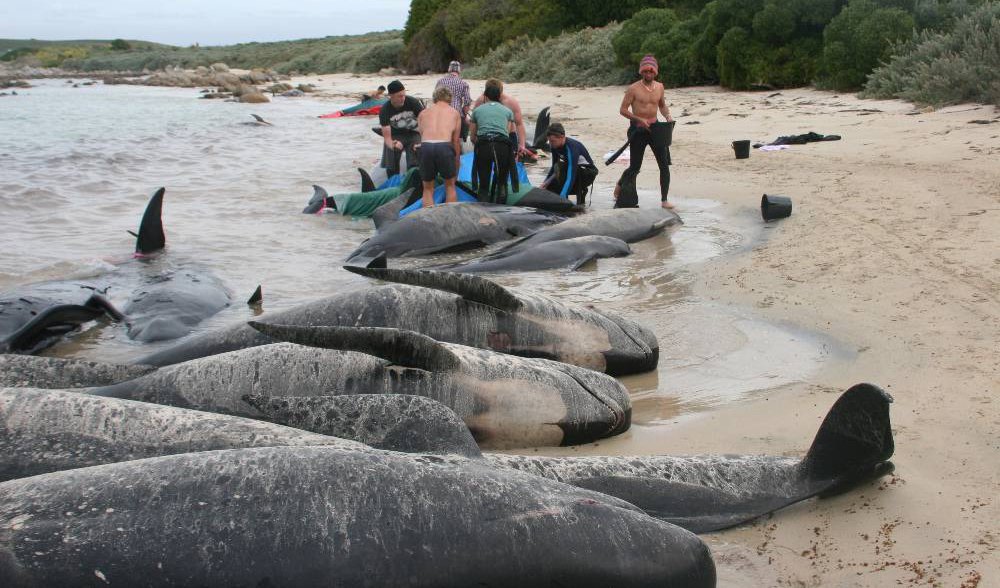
[(662, 133), (774, 207), (742, 149)]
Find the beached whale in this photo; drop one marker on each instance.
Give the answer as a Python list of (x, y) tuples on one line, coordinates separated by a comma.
[(569, 253), (505, 401), (709, 493), (455, 308), (44, 431), (309, 516), (628, 224), (455, 227), (36, 316)]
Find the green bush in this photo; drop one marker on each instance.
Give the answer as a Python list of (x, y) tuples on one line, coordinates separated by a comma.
[(581, 58), (429, 49), (736, 59), (120, 45), (946, 68), (646, 25), (421, 13), (859, 39)]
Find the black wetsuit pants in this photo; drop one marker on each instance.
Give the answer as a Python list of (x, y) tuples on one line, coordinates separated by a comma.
[(639, 139), (391, 158), (493, 157)]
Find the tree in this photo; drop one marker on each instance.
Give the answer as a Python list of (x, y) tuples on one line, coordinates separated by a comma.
[(120, 45)]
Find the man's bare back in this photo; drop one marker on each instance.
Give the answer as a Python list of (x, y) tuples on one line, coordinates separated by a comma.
[(439, 122), (515, 107)]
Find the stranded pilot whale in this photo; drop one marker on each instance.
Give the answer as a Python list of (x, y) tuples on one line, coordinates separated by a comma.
[(308, 516), (564, 253), (455, 308), (455, 227), (505, 401)]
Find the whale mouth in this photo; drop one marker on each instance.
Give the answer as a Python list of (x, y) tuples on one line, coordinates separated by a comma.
[(644, 357), (619, 411)]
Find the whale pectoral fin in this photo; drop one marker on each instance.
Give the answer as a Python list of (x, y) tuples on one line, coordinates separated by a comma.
[(403, 348), (589, 260), (469, 287), (394, 422), (151, 237), (697, 508)]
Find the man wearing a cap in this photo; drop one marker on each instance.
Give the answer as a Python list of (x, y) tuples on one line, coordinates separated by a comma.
[(398, 119), (461, 100), (573, 170), (642, 101)]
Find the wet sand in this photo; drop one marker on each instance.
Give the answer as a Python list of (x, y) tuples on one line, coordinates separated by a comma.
[(893, 250)]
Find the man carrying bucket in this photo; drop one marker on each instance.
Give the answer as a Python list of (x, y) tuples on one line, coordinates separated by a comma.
[(640, 105)]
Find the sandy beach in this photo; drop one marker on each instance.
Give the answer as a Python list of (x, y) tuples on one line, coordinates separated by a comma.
[(893, 248)]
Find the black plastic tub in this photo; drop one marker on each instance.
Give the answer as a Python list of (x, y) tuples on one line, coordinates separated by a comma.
[(774, 207)]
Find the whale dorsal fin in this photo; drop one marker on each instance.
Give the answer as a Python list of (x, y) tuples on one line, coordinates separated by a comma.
[(367, 183), (469, 287), (151, 237), (403, 348), (257, 297)]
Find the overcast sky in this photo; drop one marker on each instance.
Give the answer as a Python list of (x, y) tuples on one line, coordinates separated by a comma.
[(207, 22)]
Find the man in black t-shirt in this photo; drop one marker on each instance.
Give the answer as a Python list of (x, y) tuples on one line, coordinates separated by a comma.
[(398, 118)]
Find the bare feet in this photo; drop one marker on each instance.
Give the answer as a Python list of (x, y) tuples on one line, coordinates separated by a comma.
[(667, 205)]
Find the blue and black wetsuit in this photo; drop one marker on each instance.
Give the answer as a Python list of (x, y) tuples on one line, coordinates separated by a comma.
[(572, 171)]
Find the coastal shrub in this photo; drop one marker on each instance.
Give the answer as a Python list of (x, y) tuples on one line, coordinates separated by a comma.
[(429, 49), (120, 45), (421, 13), (581, 58), (673, 52), (859, 39), (597, 13), (940, 68), (647, 25), (736, 59)]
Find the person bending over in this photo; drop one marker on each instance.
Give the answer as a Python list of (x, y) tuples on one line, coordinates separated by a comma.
[(440, 127), (518, 136), (490, 130), (398, 119), (640, 105), (573, 170)]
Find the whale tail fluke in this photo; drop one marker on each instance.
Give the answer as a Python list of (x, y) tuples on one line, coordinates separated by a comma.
[(320, 200), (151, 237), (854, 443)]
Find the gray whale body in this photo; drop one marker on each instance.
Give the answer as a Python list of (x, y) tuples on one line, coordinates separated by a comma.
[(308, 516), (455, 308)]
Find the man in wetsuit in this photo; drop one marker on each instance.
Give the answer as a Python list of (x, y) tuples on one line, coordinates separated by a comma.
[(640, 105), (440, 126), (573, 170), (398, 119), (519, 134), (490, 130)]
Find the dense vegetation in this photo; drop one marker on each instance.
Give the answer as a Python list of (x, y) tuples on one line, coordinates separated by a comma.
[(740, 44), (932, 51)]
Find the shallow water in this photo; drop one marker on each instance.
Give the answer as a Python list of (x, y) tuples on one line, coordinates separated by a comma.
[(77, 166)]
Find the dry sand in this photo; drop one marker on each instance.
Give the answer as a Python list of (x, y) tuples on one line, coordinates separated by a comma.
[(894, 248)]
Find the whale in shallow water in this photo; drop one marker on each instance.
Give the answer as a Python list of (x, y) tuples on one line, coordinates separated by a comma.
[(309, 516), (32, 371), (455, 308), (565, 253), (628, 224), (505, 401), (163, 298), (452, 227)]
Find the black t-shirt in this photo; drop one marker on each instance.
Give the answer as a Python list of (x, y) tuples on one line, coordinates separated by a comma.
[(402, 120)]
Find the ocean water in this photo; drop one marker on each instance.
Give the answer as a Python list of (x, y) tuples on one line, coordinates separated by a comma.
[(77, 165)]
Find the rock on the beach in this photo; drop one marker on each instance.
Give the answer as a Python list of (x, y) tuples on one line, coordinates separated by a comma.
[(254, 98), (220, 67)]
